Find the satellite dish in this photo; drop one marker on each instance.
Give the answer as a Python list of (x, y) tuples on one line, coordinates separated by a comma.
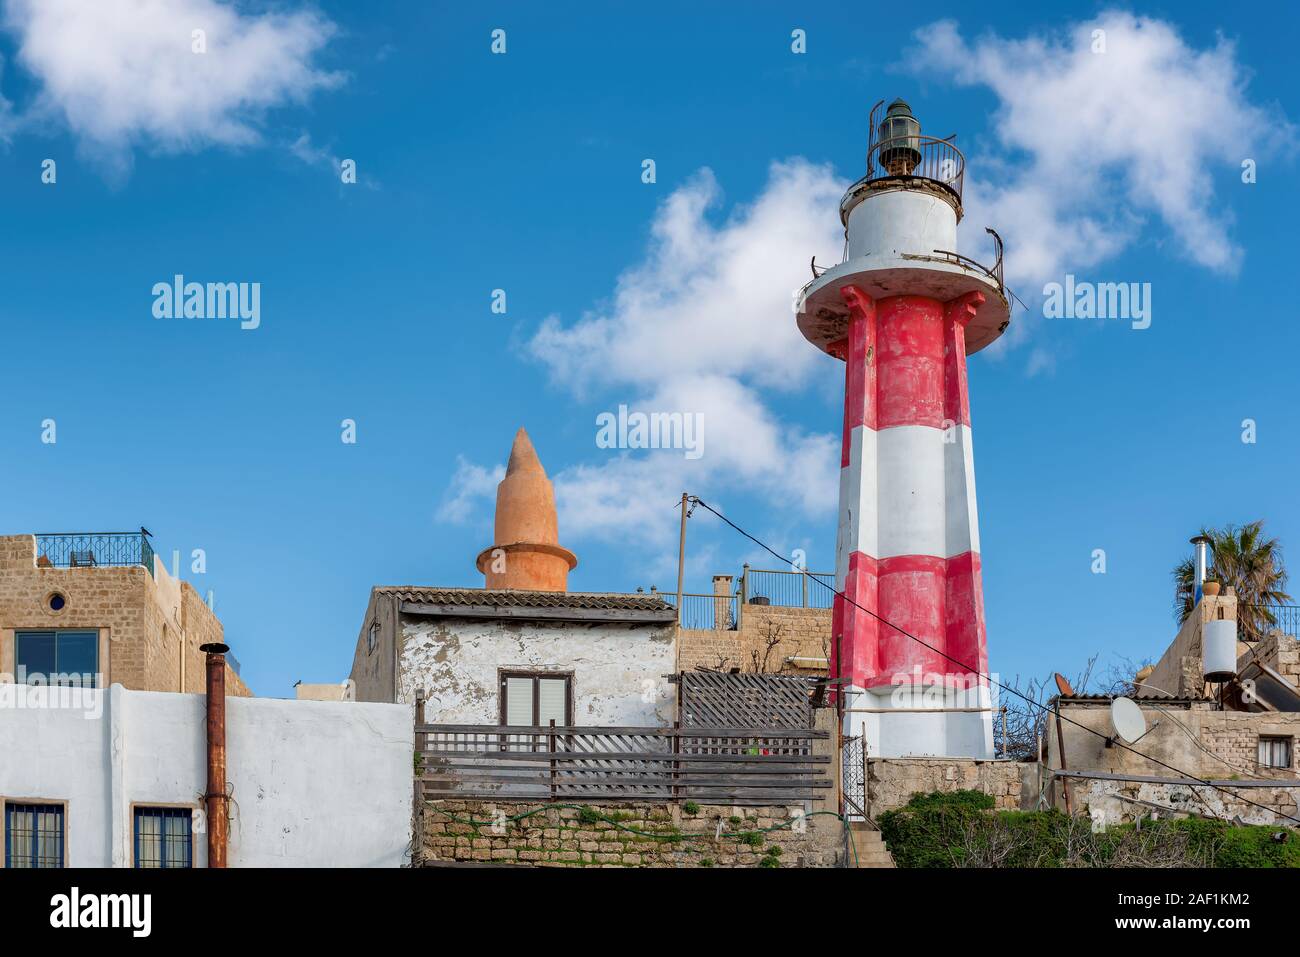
[(1129, 721), (1063, 686)]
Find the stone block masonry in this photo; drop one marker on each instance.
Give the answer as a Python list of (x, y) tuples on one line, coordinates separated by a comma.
[(799, 632), (891, 782), (150, 626), (626, 835)]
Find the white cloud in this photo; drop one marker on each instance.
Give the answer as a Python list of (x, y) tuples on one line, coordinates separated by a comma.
[(704, 324), (710, 300), (1094, 145), (313, 155), (471, 487), (122, 73)]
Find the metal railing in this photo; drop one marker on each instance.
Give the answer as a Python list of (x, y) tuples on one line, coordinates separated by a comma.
[(93, 549), (787, 589), (917, 157), (707, 612), (1284, 618), (756, 586)]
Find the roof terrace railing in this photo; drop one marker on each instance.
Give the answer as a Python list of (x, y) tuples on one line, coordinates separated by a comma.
[(1257, 621), (93, 549)]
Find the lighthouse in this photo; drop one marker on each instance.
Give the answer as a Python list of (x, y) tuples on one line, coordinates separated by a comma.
[(903, 311)]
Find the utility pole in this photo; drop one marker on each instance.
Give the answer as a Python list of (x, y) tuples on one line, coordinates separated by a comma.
[(681, 559)]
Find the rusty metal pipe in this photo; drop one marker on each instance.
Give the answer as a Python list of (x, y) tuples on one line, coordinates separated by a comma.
[(215, 798)]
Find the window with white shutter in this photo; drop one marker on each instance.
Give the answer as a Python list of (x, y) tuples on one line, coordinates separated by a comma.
[(552, 701), (1274, 752), (535, 698)]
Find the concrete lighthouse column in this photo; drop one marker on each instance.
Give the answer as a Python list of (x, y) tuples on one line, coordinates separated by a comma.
[(908, 537)]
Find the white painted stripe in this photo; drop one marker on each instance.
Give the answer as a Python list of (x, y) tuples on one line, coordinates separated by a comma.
[(907, 491)]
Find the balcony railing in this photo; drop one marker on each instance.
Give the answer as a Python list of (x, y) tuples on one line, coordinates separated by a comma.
[(705, 612), (94, 550), (787, 589), (1257, 621), (757, 586)]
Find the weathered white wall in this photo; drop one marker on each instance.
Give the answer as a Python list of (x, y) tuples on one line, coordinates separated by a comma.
[(61, 755), (889, 223), (618, 669), (313, 784)]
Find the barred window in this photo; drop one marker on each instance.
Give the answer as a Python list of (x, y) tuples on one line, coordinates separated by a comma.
[(33, 835), (162, 837)]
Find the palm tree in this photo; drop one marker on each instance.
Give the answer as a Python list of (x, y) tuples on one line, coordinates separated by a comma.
[(1251, 564)]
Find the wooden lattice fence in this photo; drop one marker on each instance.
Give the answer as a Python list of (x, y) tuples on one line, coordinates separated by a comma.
[(711, 699)]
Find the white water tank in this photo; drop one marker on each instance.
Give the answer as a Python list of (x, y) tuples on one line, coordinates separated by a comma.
[(1219, 649)]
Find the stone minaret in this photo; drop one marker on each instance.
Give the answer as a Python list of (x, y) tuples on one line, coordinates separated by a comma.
[(902, 312), (527, 554)]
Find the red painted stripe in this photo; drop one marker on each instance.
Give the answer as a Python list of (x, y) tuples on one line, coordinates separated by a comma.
[(859, 370), (905, 361), (956, 396), (910, 387), (857, 630), (940, 601)]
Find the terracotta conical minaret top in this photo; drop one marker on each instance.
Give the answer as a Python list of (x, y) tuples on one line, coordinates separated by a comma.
[(527, 554)]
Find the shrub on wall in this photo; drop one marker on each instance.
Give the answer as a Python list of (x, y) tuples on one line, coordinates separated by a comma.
[(961, 830)]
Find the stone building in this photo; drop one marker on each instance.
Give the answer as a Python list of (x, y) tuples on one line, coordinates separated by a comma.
[(522, 650), (1239, 733), (105, 607), (754, 636)]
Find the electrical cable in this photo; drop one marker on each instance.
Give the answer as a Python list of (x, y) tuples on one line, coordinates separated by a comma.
[(975, 671)]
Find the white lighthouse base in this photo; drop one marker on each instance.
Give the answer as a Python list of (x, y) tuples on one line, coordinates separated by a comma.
[(902, 723)]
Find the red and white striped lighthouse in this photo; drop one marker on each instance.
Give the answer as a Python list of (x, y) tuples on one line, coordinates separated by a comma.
[(903, 311)]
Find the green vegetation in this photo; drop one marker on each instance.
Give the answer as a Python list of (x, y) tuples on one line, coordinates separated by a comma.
[(691, 808), (961, 830)]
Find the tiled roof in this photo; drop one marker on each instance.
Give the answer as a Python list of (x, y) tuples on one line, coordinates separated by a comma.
[(502, 598), (1151, 696)]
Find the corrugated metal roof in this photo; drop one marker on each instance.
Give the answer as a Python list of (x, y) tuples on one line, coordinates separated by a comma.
[(509, 598)]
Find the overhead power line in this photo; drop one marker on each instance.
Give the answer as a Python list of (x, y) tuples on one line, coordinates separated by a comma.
[(992, 681)]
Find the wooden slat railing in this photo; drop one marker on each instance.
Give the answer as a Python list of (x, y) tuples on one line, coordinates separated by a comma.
[(747, 766)]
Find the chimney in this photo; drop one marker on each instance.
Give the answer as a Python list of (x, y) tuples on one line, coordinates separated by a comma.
[(527, 554), (1198, 577), (215, 799)]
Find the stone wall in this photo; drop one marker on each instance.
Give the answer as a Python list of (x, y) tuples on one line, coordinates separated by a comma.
[(1193, 737), (802, 632), (891, 782), (1277, 651), (150, 626), (639, 835)]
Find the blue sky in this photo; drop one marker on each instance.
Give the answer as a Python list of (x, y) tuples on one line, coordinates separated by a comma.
[(523, 172)]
